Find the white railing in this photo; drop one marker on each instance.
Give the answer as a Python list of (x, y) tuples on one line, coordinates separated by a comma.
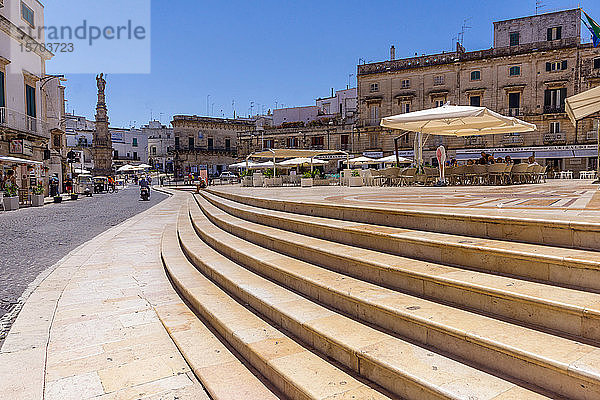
[(21, 122)]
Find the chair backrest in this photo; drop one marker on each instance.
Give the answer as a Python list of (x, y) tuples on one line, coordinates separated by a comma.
[(496, 168), (479, 169), (508, 168), (531, 168), (429, 171), (409, 172), (520, 168)]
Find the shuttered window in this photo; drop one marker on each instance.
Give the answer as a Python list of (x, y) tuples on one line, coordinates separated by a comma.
[(2, 94), (30, 100)]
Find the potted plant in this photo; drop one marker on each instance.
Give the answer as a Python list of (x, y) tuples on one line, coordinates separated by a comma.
[(355, 180), (306, 180), (247, 178), (11, 197), (258, 180), (37, 198), (268, 177)]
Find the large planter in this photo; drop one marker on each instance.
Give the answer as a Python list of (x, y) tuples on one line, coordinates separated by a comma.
[(355, 181), (37, 200), (58, 199), (74, 196), (258, 180), (11, 203), (247, 181), (306, 182), (273, 182)]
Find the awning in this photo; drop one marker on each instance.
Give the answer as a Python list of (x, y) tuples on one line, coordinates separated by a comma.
[(518, 155), (292, 153), (19, 160), (586, 153), (554, 154), (467, 156)]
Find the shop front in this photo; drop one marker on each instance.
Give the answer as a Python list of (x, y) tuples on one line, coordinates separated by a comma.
[(21, 178)]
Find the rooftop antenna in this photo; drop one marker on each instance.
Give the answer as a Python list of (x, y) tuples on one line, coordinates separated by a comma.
[(463, 30), (539, 4)]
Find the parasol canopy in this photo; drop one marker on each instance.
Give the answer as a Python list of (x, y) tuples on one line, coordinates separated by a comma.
[(126, 168), (392, 159), (362, 160), (294, 162), (583, 104), (457, 121)]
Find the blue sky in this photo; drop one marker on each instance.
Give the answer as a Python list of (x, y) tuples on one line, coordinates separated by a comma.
[(289, 52)]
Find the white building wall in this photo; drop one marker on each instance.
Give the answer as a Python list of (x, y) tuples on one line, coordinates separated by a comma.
[(295, 114)]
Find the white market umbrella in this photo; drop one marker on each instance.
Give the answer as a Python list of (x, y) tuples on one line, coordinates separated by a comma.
[(294, 162), (126, 168), (583, 105), (81, 171), (454, 121), (144, 166), (362, 160), (392, 159)]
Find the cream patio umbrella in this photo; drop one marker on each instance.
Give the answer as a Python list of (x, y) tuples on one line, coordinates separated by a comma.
[(394, 159), (583, 105), (454, 121), (362, 160)]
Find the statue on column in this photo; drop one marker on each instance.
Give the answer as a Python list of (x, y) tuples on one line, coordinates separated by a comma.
[(101, 83)]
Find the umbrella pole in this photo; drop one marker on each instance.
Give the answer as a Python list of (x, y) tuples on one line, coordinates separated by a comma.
[(598, 159)]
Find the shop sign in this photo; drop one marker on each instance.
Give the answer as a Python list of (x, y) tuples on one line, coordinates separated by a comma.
[(16, 146), (27, 148)]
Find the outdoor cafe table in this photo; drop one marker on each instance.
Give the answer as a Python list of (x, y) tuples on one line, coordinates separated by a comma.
[(587, 174), (565, 175)]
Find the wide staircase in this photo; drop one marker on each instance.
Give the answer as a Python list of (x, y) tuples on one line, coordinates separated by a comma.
[(297, 300)]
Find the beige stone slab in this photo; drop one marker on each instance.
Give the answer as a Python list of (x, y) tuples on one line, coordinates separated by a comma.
[(82, 386)]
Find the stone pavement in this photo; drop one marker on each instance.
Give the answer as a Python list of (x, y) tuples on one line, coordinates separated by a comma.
[(572, 200), (37, 238), (90, 329)]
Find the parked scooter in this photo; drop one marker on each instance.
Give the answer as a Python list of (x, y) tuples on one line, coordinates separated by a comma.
[(145, 193)]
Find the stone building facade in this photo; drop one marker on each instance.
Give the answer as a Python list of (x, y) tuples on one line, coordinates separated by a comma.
[(32, 146), (535, 64), (205, 143), (332, 128)]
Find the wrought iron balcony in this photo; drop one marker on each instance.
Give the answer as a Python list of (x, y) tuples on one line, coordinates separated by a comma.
[(554, 109), (515, 112), (18, 121)]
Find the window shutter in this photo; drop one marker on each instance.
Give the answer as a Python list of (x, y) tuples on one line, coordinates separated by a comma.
[(559, 32), (563, 96), (548, 67), (2, 101), (547, 97), (549, 34), (564, 65)]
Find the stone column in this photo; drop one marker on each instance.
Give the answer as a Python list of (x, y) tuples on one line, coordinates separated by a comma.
[(102, 148)]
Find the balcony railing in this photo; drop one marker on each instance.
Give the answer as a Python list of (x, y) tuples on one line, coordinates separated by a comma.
[(592, 135), (554, 109), (512, 140), (23, 123), (372, 122), (558, 137), (515, 112)]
